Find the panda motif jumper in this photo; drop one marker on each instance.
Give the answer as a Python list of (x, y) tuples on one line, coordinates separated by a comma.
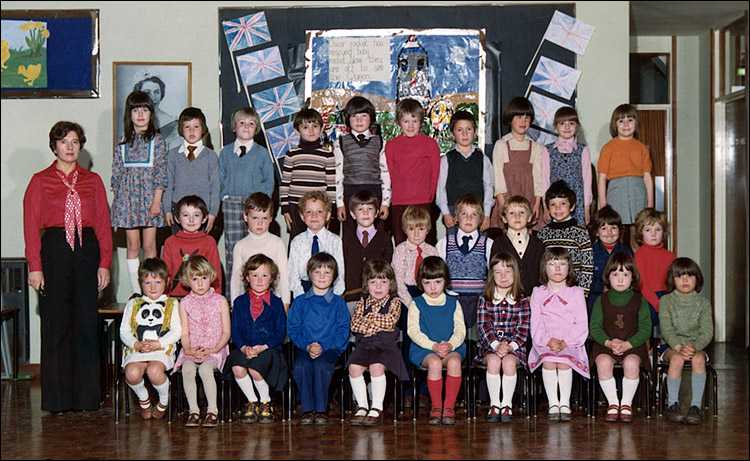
[(146, 318)]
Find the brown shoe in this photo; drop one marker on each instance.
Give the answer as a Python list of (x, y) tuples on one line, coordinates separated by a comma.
[(436, 414), (359, 420), (250, 414), (266, 414), (307, 418), (374, 420), (145, 411), (212, 420), (194, 420), (321, 419), (159, 411), (449, 416)]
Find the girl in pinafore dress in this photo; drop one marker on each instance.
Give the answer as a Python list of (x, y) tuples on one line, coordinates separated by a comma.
[(559, 328), (620, 327), (204, 315), (569, 160), (516, 159), (375, 327), (139, 177)]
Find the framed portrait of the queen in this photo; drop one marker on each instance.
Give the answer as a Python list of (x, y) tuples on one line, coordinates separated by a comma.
[(168, 84)]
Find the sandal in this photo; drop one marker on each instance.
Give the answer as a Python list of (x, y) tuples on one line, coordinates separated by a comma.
[(194, 420), (359, 420), (145, 411), (436, 415), (613, 413)]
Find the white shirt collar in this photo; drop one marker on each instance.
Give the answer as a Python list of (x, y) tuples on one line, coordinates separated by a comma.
[(248, 145), (199, 147)]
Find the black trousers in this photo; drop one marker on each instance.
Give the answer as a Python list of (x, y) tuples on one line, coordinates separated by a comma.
[(70, 341)]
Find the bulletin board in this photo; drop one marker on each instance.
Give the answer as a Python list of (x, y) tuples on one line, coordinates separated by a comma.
[(513, 34)]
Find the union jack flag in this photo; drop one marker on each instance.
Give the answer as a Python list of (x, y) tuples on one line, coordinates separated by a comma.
[(568, 32), (260, 65), (555, 77), (246, 31), (544, 109), (282, 138), (276, 102), (542, 137)]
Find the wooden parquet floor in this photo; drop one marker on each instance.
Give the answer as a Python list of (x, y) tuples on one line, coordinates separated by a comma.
[(29, 433)]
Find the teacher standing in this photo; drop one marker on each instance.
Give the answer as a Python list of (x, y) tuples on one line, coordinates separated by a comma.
[(69, 249)]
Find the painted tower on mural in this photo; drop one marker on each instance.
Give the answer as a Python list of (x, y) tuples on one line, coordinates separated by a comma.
[(413, 73)]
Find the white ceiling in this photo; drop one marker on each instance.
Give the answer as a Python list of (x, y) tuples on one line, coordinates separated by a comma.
[(682, 18)]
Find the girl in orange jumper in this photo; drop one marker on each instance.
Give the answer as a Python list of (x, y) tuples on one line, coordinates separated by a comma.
[(625, 162)]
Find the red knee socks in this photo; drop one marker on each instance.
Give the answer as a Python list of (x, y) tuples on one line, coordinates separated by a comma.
[(436, 391), (452, 386)]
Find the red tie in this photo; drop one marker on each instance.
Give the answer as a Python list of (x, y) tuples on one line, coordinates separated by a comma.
[(72, 211), (418, 262), (191, 155)]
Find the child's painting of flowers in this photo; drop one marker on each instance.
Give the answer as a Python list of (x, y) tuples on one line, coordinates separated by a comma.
[(24, 53)]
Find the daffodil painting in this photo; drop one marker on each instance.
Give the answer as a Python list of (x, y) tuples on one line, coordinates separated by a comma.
[(24, 53)]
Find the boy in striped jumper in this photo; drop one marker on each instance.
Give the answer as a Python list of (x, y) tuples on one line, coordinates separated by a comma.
[(563, 231), (308, 167), (467, 253)]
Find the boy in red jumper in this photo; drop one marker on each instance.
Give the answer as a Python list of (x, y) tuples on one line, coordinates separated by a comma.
[(414, 164)]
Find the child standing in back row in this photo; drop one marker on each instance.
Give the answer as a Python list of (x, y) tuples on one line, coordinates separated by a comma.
[(308, 167), (569, 160), (192, 169), (460, 170), (517, 161), (414, 164), (244, 168), (139, 177), (360, 160), (624, 166)]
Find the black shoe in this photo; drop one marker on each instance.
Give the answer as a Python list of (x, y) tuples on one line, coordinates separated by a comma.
[(674, 415), (694, 416), (307, 418)]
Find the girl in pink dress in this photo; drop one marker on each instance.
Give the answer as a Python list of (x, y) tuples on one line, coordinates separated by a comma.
[(205, 334), (559, 328)]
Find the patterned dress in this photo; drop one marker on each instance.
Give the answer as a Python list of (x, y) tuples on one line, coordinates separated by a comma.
[(137, 171), (204, 325), (503, 322), (569, 168)]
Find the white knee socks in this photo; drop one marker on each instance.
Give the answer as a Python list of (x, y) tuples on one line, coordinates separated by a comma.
[(359, 389), (509, 387), (263, 390), (163, 390), (140, 391), (378, 391), (565, 379), (629, 386), (549, 377), (609, 388), (493, 387), (133, 274), (246, 386)]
